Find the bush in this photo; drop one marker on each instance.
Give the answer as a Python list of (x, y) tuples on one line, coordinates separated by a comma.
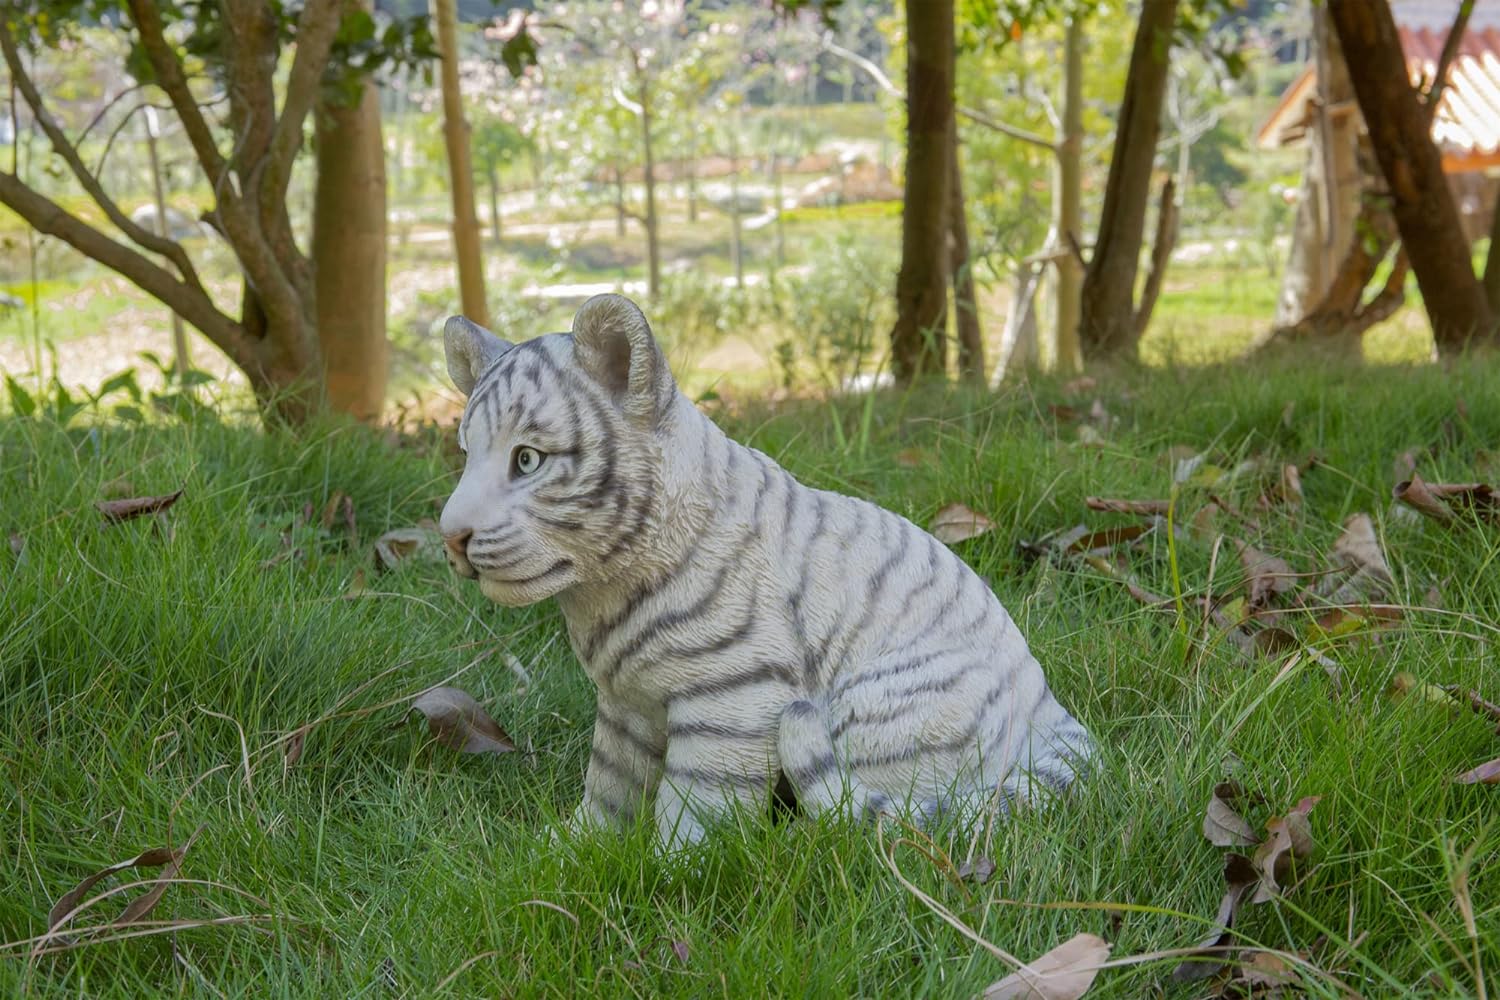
[(833, 315)]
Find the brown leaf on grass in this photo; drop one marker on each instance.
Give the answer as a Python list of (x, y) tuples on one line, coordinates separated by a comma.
[(1079, 386), (1361, 573), (115, 511), (978, 869), (1474, 700), (1291, 486), (17, 545), (1289, 840), (166, 858), (457, 721), (1439, 501), (956, 523), (1241, 879), (340, 506), (1266, 576), (400, 544), (1144, 508), (1063, 413), (911, 458), (292, 749), (1064, 973), (1266, 974), (1222, 824), (1487, 773), (1107, 538), (680, 949)]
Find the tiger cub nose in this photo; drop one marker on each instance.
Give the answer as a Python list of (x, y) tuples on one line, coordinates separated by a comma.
[(458, 543)]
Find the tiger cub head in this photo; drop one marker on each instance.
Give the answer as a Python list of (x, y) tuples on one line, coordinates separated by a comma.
[(562, 479)]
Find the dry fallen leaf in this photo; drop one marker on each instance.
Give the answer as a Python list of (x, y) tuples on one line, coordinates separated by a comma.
[(168, 859), (1361, 572), (956, 523), (457, 721), (978, 869), (1487, 773), (115, 511), (292, 750), (1414, 493), (911, 458), (341, 506), (17, 546), (1064, 973), (1222, 825), (1290, 840), (1241, 878), (680, 949), (399, 544), (1266, 974), (1107, 538), (1080, 385), (1145, 508), (1266, 576)]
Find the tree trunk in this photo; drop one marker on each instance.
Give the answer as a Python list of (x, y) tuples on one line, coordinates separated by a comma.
[(619, 201), (1329, 197), (965, 304), (736, 245), (652, 223), (494, 179), (1421, 201), (1161, 255), (1068, 217), (1107, 323), (460, 169), (692, 164), (1492, 263), (349, 249), (180, 358), (917, 342)]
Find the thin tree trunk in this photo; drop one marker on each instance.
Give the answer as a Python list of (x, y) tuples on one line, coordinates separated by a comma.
[(1422, 203), (1107, 323), (1492, 262), (917, 342), (692, 164), (619, 201), (466, 240), (1161, 256), (180, 358), (1068, 217), (652, 222), (1329, 201), (494, 179), (736, 233), (349, 254), (965, 304)]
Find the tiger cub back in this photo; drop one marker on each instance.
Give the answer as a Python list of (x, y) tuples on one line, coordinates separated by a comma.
[(739, 626)]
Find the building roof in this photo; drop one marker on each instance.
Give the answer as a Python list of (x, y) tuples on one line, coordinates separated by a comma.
[(1467, 126)]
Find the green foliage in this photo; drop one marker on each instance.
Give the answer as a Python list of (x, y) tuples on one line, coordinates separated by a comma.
[(837, 313)]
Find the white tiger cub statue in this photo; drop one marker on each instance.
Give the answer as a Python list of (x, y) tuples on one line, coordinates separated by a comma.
[(739, 626)]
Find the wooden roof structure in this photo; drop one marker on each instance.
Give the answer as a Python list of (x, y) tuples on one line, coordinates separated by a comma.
[(1467, 126)]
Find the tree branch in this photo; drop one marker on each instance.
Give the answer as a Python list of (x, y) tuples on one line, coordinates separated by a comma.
[(977, 117), (169, 249), (171, 78), (316, 29), (1449, 54), (189, 302)]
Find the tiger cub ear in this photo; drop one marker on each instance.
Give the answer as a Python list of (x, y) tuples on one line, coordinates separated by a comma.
[(469, 349), (612, 343)]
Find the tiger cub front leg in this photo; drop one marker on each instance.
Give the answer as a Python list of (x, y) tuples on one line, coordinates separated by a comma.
[(711, 766), (625, 763)]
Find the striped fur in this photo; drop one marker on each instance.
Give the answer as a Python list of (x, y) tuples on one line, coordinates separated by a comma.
[(738, 625)]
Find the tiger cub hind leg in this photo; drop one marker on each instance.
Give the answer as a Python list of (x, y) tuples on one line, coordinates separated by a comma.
[(813, 770)]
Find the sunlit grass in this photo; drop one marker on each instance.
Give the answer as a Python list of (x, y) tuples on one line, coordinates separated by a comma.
[(391, 865)]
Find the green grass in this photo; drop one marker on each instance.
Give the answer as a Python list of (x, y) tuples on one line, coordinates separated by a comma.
[(389, 864)]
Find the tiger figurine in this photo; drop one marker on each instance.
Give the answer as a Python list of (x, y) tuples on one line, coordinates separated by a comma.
[(745, 632)]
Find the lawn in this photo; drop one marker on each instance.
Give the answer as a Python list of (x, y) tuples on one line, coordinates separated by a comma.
[(151, 671)]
